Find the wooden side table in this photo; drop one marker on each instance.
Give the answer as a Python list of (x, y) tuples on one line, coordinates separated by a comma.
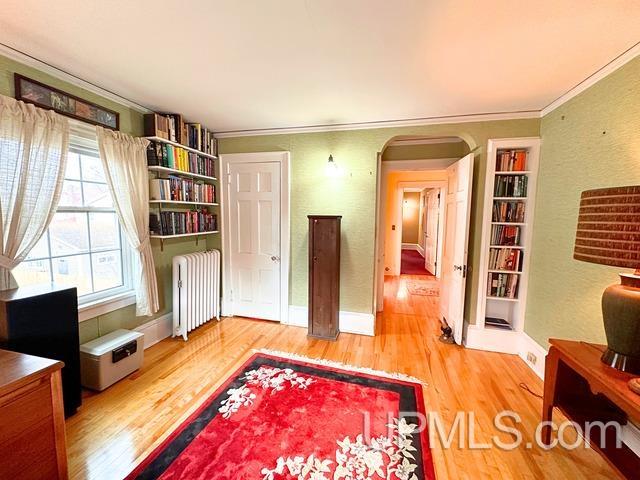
[(32, 431), (586, 390)]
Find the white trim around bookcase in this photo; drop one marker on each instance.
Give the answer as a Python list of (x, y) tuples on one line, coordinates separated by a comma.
[(533, 145)]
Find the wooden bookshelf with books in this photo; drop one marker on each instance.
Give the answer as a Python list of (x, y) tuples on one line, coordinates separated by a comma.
[(182, 162), (512, 166)]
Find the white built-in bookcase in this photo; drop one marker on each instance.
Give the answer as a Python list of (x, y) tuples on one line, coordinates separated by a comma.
[(511, 305)]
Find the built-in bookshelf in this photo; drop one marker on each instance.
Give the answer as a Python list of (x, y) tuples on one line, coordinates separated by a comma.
[(512, 166), (183, 188)]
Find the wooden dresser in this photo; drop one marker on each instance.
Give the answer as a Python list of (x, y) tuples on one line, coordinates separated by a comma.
[(32, 435), (324, 276)]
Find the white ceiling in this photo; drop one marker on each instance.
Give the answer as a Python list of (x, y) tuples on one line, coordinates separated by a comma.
[(237, 65)]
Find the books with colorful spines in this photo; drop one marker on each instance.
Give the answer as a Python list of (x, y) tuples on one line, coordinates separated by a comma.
[(520, 161), (171, 161)]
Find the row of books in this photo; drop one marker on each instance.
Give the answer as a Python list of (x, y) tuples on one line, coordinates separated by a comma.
[(181, 189), (505, 235), (503, 285), (201, 138), (505, 259), (511, 161), (164, 155), (510, 186), (171, 126), (178, 223), (506, 211)]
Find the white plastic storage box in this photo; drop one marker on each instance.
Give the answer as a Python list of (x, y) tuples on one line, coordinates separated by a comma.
[(110, 358)]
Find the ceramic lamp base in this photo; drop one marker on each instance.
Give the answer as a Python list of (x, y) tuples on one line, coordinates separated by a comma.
[(621, 314)]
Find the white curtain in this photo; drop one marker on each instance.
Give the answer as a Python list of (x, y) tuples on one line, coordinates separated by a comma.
[(125, 164), (33, 156)]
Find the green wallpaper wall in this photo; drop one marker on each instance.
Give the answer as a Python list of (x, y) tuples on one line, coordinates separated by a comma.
[(354, 195), (130, 122), (591, 141), (420, 152)]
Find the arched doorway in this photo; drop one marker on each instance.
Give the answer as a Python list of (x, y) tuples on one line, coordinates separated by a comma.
[(430, 167)]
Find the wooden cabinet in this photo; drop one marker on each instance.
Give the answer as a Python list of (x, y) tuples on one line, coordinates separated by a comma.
[(42, 320), (32, 436), (324, 276)]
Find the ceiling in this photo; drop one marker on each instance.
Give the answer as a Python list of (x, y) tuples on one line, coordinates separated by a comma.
[(239, 65)]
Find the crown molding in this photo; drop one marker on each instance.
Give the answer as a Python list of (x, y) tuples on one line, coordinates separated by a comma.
[(416, 122), (621, 60), (44, 67)]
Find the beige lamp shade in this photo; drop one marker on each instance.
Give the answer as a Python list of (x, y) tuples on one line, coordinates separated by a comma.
[(609, 227)]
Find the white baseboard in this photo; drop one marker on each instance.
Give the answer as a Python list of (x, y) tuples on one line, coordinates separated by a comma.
[(507, 341), (529, 345), (411, 246), (156, 329), (349, 322), (420, 250)]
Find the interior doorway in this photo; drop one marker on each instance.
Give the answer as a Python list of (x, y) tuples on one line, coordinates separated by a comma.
[(418, 229), (422, 231)]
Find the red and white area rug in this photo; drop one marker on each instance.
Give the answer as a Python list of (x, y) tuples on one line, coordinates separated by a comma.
[(290, 417)]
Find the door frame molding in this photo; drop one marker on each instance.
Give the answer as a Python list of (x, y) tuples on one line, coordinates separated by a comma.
[(402, 187), (283, 158), (381, 195)]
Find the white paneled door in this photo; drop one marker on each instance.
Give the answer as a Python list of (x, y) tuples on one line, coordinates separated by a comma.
[(254, 239), (432, 217), (456, 240)]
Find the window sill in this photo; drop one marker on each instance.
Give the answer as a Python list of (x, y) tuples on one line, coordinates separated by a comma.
[(103, 306)]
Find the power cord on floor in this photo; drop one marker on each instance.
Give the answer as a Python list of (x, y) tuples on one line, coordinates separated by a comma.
[(525, 387)]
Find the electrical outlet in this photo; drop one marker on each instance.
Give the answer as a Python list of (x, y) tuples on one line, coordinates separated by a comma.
[(531, 358)]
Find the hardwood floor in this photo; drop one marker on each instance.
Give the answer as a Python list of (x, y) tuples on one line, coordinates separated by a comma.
[(115, 429)]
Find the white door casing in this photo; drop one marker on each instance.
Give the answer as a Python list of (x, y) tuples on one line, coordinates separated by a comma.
[(255, 235), (456, 241)]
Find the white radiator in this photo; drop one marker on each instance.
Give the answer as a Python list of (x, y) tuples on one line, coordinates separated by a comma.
[(196, 290)]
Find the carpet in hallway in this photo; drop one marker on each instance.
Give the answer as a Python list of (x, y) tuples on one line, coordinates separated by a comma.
[(412, 263)]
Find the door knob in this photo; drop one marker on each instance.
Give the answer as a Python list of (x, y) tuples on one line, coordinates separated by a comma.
[(275, 258), (457, 267)]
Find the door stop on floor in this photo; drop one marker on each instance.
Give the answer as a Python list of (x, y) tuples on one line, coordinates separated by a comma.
[(447, 333)]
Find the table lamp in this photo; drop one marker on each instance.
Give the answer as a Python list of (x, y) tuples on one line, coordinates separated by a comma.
[(608, 233)]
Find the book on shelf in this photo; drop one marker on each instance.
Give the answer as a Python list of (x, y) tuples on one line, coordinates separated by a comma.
[(503, 285), (510, 186), (179, 223), (511, 160), (505, 235), (172, 127), (497, 322), (505, 259), (169, 156), (180, 189), (508, 211), (201, 138)]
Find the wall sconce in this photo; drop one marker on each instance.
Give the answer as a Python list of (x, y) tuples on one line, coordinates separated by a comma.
[(332, 169)]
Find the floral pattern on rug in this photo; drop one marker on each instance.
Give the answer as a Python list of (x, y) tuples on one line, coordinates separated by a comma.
[(381, 458), (268, 378)]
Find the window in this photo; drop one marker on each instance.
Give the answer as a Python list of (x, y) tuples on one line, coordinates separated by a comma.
[(84, 245)]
